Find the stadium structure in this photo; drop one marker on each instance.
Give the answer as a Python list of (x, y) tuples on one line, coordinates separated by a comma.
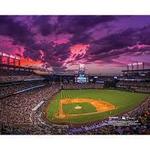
[(73, 102)]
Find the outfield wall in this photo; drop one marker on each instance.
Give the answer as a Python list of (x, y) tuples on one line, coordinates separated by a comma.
[(83, 86)]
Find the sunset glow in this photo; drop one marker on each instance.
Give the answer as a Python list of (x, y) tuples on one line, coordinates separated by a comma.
[(63, 42)]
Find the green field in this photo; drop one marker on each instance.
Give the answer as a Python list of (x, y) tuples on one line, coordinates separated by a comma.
[(86, 108), (125, 101)]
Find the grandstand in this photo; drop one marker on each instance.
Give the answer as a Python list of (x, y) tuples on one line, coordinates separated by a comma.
[(135, 80), (24, 96)]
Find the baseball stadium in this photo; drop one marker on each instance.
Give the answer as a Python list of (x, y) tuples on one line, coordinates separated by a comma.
[(76, 81), (81, 106)]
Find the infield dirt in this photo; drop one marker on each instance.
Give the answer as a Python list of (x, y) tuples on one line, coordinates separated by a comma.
[(100, 105)]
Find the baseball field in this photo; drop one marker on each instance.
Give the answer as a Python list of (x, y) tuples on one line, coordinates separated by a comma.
[(84, 106)]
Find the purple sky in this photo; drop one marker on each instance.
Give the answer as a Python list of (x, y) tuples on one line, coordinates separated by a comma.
[(106, 44)]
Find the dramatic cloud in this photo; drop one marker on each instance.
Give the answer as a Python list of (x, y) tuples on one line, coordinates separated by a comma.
[(62, 42)]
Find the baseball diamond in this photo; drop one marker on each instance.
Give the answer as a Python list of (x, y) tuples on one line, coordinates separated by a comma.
[(100, 106), (74, 74), (86, 105)]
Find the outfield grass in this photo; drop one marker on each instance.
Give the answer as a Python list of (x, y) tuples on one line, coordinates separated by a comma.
[(124, 101)]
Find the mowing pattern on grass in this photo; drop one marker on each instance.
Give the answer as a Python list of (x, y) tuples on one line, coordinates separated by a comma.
[(125, 101)]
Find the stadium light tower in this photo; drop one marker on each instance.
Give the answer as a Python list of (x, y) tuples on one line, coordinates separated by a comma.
[(141, 63), (13, 58), (18, 60), (130, 65), (135, 64), (7, 57)]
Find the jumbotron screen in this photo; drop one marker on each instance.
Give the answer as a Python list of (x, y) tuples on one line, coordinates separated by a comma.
[(81, 79)]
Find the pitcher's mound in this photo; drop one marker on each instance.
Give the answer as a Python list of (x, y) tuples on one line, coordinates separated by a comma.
[(78, 107)]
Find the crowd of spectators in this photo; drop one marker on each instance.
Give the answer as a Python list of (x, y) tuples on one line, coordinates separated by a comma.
[(6, 90), (142, 129), (141, 115), (11, 75), (134, 86), (16, 111), (18, 117), (17, 108), (83, 86)]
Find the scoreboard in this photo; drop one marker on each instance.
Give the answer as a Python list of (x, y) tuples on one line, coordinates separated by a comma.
[(81, 79)]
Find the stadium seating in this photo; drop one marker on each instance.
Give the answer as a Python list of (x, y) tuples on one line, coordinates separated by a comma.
[(21, 113), (11, 76), (6, 90), (83, 86), (139, 86)]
